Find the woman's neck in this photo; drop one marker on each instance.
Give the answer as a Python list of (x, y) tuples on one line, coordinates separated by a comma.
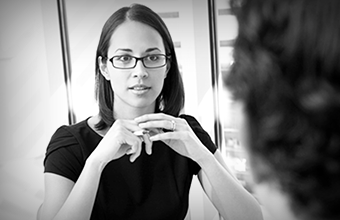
[(132, 113)]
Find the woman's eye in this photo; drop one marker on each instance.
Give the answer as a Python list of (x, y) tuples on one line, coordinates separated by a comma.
[(153, 57), (124, 58)]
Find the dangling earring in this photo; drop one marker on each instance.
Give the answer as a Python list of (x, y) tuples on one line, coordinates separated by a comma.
[(160, 102)]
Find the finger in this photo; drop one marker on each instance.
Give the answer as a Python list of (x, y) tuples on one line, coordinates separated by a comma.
[(165, 136), (152, 117), (140, 132), (129, 125), (143, 135), (172, 126), (134, 146), (164, 124), (155, 131), (148, 144), (136, 149), (129, 151)]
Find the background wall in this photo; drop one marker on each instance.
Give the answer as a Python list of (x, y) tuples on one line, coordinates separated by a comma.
[(33, 95), (32, 101)]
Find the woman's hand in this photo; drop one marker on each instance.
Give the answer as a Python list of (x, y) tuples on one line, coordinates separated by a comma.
[(175, 132), (122, 138)]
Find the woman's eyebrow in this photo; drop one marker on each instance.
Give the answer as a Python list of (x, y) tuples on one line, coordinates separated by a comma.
[(129, 50), (124, 49), (152, 49)]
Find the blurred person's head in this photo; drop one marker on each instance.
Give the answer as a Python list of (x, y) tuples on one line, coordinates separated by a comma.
[(171, 97), (286, 73)]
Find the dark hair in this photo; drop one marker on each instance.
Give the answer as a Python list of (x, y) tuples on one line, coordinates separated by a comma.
[(286, 71), (171, 99)]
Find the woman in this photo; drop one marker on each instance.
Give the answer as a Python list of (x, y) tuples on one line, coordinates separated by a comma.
[(136, 158), (286, 73)]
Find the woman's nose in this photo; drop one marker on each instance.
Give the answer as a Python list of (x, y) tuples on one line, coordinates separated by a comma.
[(140, 70)]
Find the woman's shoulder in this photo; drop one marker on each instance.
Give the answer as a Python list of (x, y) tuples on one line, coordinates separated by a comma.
[(71, 131), (78, 134), (199, 131), (192, 121), (68, 150)]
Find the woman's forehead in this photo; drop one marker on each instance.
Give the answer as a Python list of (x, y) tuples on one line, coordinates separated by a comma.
[(132, 36)]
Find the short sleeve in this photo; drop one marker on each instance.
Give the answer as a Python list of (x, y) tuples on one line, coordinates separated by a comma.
[(202, 135), (63, 155)]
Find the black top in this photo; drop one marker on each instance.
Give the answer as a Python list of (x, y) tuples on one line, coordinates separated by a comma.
[(155, 186)]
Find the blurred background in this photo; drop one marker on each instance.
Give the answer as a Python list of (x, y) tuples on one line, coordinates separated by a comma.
[(35, 100)]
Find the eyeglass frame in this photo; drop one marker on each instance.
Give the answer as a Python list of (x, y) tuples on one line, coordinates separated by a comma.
[(167, 57)]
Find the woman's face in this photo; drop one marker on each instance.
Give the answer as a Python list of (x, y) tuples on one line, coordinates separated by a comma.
[(134, 89)]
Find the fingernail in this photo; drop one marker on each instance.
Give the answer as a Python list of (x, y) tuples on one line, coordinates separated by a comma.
[(129, 151), (141, 132)]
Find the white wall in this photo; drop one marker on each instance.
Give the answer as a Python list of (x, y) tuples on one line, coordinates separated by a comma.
[(33, 97), (33, 101)]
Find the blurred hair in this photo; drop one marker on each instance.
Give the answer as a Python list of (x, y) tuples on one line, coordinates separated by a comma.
[(171, 99), (286, 71)]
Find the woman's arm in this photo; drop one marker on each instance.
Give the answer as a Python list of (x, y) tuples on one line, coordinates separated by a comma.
[(227, 194), (65, 199)]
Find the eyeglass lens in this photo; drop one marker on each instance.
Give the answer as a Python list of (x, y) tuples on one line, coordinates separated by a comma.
[(150, 61)]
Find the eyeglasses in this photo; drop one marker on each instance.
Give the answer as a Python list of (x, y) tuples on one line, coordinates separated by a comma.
[(152, 61)]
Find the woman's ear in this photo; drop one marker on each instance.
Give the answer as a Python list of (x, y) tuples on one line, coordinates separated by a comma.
[(103, 68)]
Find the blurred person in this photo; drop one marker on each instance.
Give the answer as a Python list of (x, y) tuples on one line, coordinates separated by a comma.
[(286, 75), (137, 157)]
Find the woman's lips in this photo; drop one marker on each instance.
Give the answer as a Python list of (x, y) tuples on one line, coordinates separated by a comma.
[(139, 89)]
